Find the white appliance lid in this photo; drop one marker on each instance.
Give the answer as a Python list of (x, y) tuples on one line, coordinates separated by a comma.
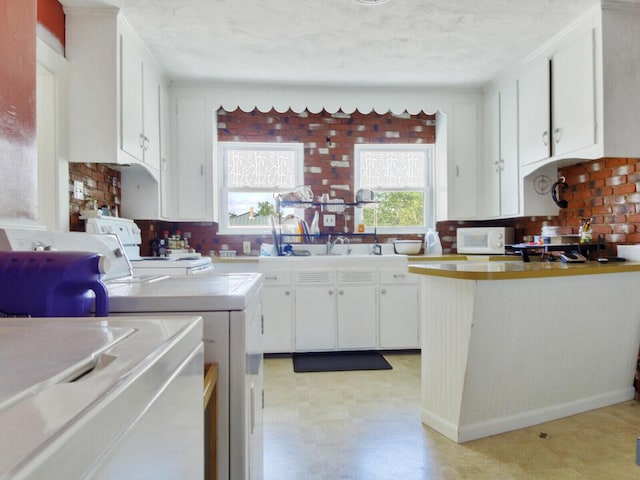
[(186, 293), (55, 354)]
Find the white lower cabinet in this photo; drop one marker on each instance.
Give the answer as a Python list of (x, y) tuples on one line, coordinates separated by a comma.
[(356, 309), (277, 305), (315, 310), (398, 308)]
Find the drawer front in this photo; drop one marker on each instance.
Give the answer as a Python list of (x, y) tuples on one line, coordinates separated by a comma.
[(397, 277), (276, 278), (356, 277), (315, 277)]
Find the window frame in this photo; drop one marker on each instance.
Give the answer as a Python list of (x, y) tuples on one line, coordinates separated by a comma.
[(429, 207), (223, 198)]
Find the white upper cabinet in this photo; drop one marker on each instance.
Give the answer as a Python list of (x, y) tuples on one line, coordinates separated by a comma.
[(508, 161), (457, 162), (573, 119), (192, 183), (576, 92), (500, 192), (534, 114), (114, 84), (115, 90)]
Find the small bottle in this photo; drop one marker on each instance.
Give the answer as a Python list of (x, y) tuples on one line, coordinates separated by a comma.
[(432, 245), (360, 227)]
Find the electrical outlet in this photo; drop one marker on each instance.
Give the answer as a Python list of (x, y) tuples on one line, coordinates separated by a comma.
[(329, 220), (78, 190), (246, 247)]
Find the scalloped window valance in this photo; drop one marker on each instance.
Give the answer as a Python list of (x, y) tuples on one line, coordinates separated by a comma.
[(332, 99)]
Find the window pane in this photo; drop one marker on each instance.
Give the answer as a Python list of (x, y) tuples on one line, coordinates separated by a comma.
[(260, 169), (252, 209), (397, 209), (392, 169)]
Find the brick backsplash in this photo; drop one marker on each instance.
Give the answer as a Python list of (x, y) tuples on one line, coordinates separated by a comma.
[(101, 183), (328, 155), (607, 190)]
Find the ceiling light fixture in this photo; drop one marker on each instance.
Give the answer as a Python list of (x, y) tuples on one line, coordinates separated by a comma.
[(371, 2)]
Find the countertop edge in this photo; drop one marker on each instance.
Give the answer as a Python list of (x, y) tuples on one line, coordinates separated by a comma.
[(529, 271)]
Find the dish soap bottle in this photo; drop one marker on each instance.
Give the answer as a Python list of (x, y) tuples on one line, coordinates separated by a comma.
[(315, 229), (432, 245)]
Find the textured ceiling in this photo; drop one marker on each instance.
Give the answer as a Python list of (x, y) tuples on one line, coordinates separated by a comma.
[(340, 42)]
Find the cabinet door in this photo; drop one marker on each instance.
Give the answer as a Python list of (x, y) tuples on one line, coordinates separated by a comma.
[(165, 171), (508, 163), (399, 309), (534, 114), (191, 195), (315, 316), (357, 317), (151, 116), (462, 162), (491, 164), (573, 90), (131, 65), (277, 306)]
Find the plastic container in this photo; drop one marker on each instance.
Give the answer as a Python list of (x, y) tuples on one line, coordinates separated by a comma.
[(432, 245)]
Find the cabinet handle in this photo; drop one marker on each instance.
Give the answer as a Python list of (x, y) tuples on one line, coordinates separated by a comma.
[(545, 138), (341, 292), (287, 292), (501, 163), (144, 142), (269, 277), (201, 170), (457, 170), (556, 135), (398, 275), (383, 291), (496, 165)]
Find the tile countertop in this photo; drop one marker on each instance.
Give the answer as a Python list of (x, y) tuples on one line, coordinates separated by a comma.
[(492, 270)]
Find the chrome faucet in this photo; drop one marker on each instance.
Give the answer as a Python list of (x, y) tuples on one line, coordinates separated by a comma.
[(340, 239)]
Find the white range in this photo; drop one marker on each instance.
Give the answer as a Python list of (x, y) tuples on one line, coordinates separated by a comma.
[(130, 235)]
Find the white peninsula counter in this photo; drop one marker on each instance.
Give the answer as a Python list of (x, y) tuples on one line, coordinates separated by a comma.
[(506, 345)]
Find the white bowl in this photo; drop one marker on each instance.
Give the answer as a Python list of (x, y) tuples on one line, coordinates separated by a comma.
[(407, 247)]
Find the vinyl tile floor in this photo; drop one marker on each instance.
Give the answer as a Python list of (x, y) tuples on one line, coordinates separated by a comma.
[(365, 425)]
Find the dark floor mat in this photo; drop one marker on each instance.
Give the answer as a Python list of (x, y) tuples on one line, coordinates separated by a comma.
[(338, 361)]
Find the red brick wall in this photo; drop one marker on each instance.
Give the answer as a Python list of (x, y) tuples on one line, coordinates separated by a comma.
[(607, 191), (328, 150), (101, 183)]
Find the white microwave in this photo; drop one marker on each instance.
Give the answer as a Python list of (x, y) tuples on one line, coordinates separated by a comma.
[(483, 240)]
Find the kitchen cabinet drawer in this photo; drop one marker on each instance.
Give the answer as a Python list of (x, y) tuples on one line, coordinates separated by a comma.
[(276, 278), (356, 277), (399, 276), (315, 277)]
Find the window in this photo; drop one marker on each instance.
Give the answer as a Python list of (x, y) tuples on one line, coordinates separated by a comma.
[(252, 174), (401, 177)]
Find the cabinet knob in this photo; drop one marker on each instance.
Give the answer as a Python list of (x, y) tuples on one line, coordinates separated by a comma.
[(287, 292), (341, 292), (383, 291), (330, 292)]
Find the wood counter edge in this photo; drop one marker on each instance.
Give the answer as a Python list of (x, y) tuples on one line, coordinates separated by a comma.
[(591, 268), (210, 380)]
